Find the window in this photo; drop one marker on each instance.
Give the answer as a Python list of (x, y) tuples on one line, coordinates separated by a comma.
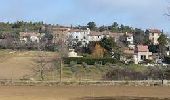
[(152, 39), (143, 57), (57, 35), (152, 34)]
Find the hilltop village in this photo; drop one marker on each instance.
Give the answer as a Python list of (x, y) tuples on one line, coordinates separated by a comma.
[(121, 50), (124, 43)]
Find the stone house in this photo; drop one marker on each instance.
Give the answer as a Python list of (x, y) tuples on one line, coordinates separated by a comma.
[(30, 36), (142, 54), (97, 36), (153, 35), (59, 34), (130, 41), (129, 38), (72, 53), (77, 35), (167, 50)]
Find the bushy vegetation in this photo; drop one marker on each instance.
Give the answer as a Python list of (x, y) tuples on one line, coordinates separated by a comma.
[(19, 26), (167, 60), (137, 72), (117, 71), (90, 61)]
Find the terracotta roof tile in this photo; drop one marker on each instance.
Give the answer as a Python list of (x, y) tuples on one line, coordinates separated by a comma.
[(22, 34), (93, 33), (142, 48), (154, 31)]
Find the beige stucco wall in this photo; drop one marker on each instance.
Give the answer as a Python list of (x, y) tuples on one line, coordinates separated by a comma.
[(147, 54), (154, 38)]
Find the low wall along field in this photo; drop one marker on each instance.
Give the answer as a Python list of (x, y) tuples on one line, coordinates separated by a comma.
[(83, 83)]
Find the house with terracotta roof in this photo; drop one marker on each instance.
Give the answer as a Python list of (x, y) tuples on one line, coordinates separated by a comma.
[(29, 36), (116, 36), (59, 34), (72, 53), (77, 35), (97, 36), (153, 35), (130, 40), (167, 50), (142, 54)]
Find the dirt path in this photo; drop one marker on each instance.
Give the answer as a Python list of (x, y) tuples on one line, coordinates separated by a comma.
[(73, 92)]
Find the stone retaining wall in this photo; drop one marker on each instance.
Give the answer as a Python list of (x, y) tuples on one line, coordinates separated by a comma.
[(114, 83)]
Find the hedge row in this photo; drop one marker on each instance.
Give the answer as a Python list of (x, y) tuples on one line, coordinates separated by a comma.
[(90, 61)]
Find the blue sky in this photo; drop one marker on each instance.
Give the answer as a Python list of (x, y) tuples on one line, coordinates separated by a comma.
[(136, 13)]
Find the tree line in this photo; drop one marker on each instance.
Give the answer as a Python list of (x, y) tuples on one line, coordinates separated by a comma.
[(19, 26), (115, 27)]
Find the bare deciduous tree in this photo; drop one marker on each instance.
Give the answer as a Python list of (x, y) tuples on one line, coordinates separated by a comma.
[(63, 51), (43, 62), (62, 42)]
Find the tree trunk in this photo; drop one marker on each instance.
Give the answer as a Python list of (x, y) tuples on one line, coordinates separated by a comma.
[(61, 70), (161, 51), (42, 74)]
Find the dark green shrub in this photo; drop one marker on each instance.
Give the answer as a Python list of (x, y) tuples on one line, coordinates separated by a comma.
[(90, 61), (167, 60)]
